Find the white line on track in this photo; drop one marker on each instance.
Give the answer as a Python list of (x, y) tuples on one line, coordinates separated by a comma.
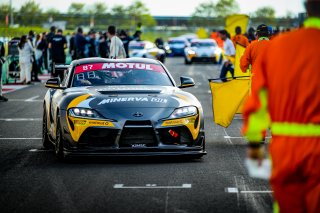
[(230, 137), (32, 98), (20, 119), (39, 150), (236, 190), (152, 186), (256, 192), (24, 100), (227, 136)]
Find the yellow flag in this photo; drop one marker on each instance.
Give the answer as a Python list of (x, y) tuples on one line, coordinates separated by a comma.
[(235, 20), (237, 70), (202, 33), (227, 98)]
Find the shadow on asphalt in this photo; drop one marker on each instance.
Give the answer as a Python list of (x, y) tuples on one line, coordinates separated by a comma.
[(131, 160)]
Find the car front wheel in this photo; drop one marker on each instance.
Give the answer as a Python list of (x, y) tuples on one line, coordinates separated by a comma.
[(45, 138), (59, 143)]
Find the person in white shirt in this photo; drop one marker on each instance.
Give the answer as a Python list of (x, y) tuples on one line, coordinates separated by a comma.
[(25, 59), (229, 52), (116, 46)]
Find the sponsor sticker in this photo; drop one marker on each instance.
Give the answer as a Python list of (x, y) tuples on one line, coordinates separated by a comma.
[(118, 66), (79, 122), (132, 99), (175, 122), (100, 123)]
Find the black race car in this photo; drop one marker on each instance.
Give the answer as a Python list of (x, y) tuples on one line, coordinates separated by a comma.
[(121, 107)]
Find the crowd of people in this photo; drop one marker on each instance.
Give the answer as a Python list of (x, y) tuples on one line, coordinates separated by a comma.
[(41, 52)]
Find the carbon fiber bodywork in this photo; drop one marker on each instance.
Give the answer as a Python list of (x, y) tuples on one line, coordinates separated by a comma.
[(133, 119)]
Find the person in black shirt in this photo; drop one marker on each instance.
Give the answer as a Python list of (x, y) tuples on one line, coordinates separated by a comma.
[(72, 47), (125, 38), (104, 47), (49, 37), (92, 44), (80, 43), (57, 45)]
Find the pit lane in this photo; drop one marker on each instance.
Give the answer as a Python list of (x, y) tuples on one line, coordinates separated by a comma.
[(32, 180)]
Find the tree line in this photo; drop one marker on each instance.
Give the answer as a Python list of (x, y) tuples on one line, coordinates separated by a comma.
[(99, 14)]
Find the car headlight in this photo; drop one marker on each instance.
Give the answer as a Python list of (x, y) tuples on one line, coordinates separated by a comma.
[(83, 113), (191, 52), (184, 112)]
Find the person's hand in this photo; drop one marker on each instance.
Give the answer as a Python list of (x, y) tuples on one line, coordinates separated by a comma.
[(256, 152)]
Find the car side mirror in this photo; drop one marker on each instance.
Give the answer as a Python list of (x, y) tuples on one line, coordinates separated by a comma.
[(54, 83), (186, 82)]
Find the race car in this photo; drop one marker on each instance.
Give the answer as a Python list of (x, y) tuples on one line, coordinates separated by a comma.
[(146, 49), (121, 107), (202, 50), (177, 46)]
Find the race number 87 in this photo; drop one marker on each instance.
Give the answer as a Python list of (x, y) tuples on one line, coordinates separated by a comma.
[(87, 67)]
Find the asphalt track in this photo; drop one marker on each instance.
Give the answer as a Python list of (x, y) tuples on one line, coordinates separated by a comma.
[(32, 180)]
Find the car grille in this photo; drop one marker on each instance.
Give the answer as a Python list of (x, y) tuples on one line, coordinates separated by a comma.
[(98, 137), (138, 134)]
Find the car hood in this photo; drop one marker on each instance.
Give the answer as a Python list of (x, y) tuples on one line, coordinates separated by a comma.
[(124, 101), (107, 97), (205, 50)]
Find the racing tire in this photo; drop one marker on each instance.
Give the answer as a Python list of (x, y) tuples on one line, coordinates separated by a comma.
[(45, 138), (187, 62), (59, 143)]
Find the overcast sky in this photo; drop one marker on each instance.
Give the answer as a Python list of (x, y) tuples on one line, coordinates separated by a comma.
[(176, 7)]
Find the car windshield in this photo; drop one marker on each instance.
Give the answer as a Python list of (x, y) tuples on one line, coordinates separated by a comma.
[(99, 74), (203, 44)]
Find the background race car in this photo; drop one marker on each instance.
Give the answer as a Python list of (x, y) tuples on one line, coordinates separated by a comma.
[(119, 108), (146, 49), (177, 46), (202, 50)]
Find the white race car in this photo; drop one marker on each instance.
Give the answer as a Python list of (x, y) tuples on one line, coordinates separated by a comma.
[(146, 49), (202, 50)]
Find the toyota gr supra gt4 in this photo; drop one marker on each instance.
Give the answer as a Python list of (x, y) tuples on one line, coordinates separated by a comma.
[(146, 49), (202, 50), (121, 107)]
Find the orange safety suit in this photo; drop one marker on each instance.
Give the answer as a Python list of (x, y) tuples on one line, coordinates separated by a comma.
[(241, 40), (286, 97), (251, 53), (215, 36)]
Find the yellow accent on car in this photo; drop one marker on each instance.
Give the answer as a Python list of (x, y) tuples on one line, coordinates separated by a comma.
[(260, 120), (81, 124), (190, 56), (188, 122)]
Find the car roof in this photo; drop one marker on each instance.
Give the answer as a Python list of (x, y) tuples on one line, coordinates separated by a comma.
[(178, 39), (203, 40), (105, 60)]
